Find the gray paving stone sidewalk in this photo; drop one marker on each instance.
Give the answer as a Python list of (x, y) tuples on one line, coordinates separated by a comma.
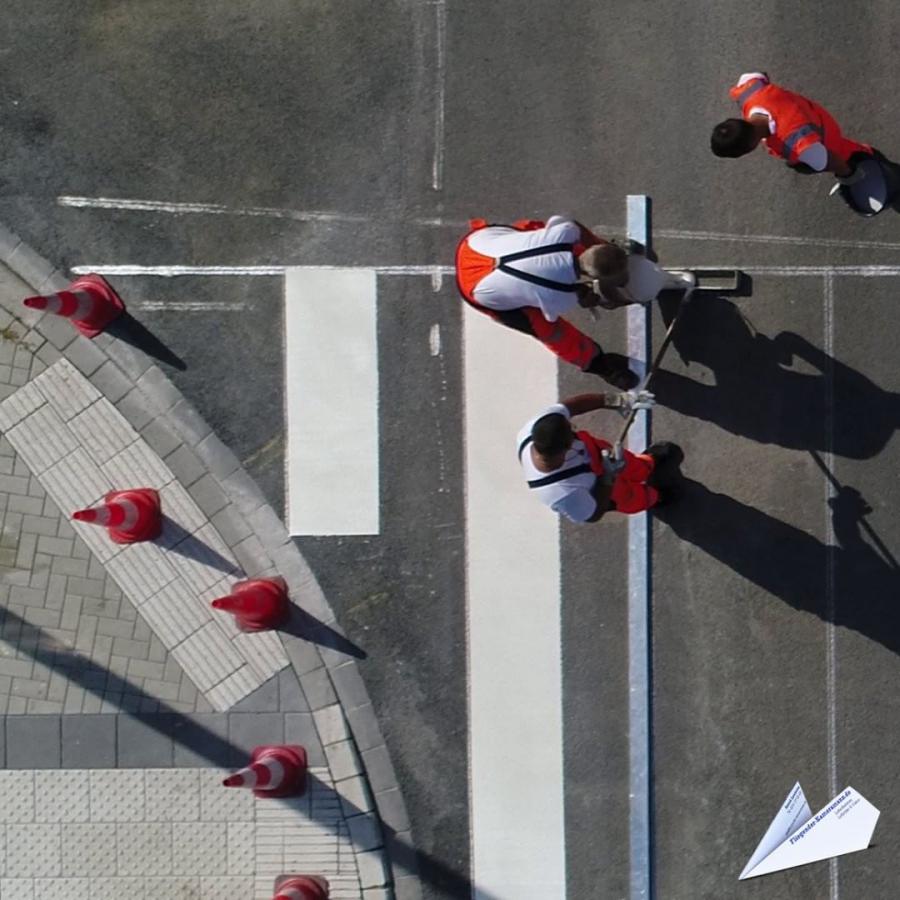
[(93, 677)]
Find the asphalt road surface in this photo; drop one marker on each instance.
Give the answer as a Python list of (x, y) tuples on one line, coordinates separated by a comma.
[(349, 133)]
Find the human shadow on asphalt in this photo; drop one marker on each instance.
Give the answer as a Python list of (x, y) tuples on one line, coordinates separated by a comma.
[(758, 391), (191, 733), (307, 627), (793, 565), (127, 328)]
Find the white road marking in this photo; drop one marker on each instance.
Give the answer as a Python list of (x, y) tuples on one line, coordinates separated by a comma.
[(330, 216), (434, 340), (437, 165), (513, 617), (188, 306), (331, 401), (830, 587), (639, 600), (252, 271)]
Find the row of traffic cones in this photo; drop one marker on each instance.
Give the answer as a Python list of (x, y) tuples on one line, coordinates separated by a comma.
[(136, 515), (280, 770)]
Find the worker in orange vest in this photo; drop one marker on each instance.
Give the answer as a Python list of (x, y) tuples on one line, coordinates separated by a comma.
[(580, 476), (792, 127), (526, 274)]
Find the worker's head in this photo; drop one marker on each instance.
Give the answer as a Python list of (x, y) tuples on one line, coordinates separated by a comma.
[(606, 264), (552, 435), (734, 137)]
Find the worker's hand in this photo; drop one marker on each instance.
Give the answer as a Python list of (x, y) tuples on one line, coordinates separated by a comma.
[(611, 467), (629, 400)]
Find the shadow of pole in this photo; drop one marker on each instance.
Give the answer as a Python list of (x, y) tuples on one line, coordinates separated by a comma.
[(189, 733), (127, 328)]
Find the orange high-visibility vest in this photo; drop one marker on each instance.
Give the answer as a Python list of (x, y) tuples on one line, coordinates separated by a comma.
[(799, 122)]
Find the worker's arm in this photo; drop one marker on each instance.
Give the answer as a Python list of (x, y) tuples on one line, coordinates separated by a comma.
[(624, 401), (585, 403)]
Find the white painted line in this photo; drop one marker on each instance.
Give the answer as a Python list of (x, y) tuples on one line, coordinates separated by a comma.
[(328, 216), (830, 587), (639, 599), (513, 617), (268, 212), (253, 271), (434, 340), (437, 165), (189, 306), (331, 401)]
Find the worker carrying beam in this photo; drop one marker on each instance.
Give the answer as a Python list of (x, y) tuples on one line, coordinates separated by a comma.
[(792, 127), (527, 274), (583, 477)]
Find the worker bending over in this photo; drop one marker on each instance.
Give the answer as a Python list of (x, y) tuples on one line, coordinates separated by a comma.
[(527, 274), (792, 127), (576, 474)]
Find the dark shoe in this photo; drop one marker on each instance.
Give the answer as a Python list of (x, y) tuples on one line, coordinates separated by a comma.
[(665, 451), (613, 368)]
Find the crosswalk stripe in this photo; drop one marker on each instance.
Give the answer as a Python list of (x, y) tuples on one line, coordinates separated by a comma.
[(331, 401), (513, 618)]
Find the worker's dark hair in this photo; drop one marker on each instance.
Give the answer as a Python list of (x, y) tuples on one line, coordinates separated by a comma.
[(733, 138), (603, 261), (551, 434)]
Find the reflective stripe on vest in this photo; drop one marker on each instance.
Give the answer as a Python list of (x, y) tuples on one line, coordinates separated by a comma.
[(797, 135), (756, 85)]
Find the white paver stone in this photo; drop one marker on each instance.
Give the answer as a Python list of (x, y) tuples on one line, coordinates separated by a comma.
[(138, 466), (264, 651), (203, 558), (208, 657), (19, 405), (117, 795), (172, 795), (117, 888), (342, 760), (89, 849), (330, 724), (372, 869), (224, 887), (221, 804), (102, 430), (74, 483), (2, 852), (141, 571), (144, 848), (241, 848), (17, 793), (63, 888), (42, 439), (62, 796), (179, 888), (17, 889), (179, 506), (66, 389), (235, 687), (174, 613), (199, 848), (33, 851)]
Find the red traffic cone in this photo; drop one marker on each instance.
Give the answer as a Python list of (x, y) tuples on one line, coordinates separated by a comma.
[(89, 301), (274, 771), (257, 604), (301, 887), (131, 516)]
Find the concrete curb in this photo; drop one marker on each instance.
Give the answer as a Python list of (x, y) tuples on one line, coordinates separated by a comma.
[(342, 711)]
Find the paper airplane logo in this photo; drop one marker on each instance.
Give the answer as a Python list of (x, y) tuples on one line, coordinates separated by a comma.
[(796, 837)]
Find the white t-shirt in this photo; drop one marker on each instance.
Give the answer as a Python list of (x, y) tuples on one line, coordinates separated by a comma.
[(500, 290), (815, 155), (572, 496)]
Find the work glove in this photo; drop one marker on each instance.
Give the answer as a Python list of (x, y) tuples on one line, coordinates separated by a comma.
[(629, 400), (613, 463)]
